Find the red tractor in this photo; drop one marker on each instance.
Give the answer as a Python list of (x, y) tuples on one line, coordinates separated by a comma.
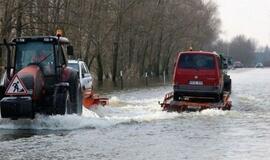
[(37, 79)]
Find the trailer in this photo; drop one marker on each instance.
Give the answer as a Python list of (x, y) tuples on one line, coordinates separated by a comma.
[(91, 99), (171, 105)]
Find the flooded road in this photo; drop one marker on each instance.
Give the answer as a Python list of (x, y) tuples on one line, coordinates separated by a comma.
[(134, 127)]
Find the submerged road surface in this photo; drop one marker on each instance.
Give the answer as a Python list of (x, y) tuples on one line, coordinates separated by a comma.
[(134, 127)]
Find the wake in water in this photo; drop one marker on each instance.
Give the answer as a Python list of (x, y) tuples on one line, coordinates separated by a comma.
[(126, 108), (57, 122)]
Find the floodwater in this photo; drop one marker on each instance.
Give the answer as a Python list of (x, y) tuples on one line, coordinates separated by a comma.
[(134, 127)]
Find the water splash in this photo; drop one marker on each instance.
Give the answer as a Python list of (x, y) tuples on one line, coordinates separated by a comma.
[(127, 107)]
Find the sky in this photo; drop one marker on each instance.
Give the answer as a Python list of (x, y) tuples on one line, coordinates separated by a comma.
[(248, 17)]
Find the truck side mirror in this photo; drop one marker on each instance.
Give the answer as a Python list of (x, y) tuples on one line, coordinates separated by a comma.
[(70, 50)]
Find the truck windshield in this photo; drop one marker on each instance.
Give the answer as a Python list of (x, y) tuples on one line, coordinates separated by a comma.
[(74, 66), (35, 53), (196, 61)]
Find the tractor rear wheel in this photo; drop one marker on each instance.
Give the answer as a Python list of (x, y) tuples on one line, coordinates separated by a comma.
[(76, 97), (78, 105), (62, 103)]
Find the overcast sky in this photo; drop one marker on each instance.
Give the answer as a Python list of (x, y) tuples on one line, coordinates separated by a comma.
[(248, 17)]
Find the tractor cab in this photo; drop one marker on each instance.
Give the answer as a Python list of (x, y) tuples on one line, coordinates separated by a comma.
[(49, 53), (39, 52)]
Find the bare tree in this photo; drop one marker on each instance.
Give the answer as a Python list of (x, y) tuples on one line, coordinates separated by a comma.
[(135, 36)]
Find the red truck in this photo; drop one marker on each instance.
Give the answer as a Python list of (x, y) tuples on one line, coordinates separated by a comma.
[(198, 74), (199, 81)]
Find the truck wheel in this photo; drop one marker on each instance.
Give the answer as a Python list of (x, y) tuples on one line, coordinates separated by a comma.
[(218, 97), (221, 96), (175, 96), (227, 84), (62, 103)]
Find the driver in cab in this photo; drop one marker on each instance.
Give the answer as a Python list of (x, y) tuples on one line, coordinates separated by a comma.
[(38, 57), (43, 58)]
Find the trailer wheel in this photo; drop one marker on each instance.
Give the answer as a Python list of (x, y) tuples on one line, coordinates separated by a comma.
[(62, 103)]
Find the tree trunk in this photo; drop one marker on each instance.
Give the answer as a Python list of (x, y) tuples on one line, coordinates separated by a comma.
[(130, 51), (99, 67), (142, 67), (19, 19), (157, 65), (115, 57), (6, 26)]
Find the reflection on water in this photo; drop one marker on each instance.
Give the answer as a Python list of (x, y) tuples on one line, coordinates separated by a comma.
[(13, 134), (108, 86)]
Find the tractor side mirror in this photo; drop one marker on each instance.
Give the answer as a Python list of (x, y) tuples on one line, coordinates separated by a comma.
[(70, 50)]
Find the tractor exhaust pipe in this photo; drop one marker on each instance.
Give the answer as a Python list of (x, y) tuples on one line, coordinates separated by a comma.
[(8, 59)]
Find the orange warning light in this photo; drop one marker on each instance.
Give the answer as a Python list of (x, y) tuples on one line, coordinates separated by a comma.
[(59, 32)]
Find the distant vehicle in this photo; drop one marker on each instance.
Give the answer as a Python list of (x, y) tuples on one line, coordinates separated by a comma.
[(259, 65), (238, 64), (198, 74), (85, 76)]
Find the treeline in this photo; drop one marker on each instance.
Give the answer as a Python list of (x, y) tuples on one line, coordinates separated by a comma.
[(240, 48), (263, 56), (134, 36)]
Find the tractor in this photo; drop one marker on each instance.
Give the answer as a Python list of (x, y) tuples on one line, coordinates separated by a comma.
[(37, 78)]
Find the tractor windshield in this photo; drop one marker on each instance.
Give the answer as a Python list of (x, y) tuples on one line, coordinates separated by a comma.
[(36, 52)]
